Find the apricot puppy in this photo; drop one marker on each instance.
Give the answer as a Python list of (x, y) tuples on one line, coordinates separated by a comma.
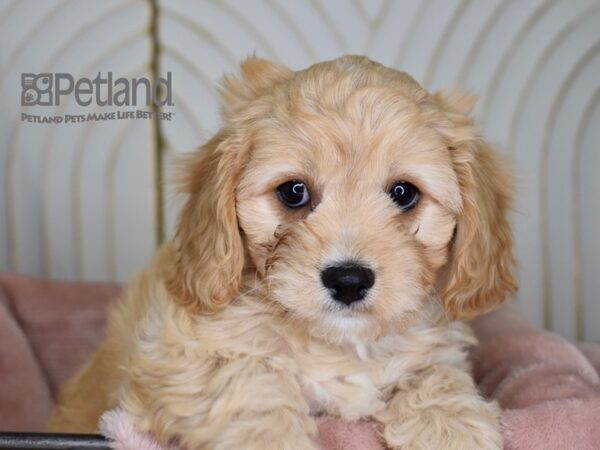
[(336, 230)]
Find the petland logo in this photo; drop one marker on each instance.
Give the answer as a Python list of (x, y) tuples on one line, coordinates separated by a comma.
[(49, 89)]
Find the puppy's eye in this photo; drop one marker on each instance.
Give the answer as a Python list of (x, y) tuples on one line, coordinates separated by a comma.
[(293, 194), (405, 194)]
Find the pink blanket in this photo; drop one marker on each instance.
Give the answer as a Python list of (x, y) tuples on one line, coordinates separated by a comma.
[(548, 388)]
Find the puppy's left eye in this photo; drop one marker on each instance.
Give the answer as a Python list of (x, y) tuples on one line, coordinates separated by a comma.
[(293, 194), (405, 194)]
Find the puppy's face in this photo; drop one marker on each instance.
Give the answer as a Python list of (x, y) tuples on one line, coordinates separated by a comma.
[(348, 209), (351, 186)]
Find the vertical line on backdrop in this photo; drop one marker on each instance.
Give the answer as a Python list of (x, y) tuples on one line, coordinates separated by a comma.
[(157, 137), (578, 244)]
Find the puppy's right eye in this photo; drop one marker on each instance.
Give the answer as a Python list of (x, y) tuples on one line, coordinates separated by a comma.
[(293, 194), (405, 194)]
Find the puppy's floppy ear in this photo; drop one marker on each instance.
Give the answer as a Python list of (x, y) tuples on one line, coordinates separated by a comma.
[(258, 76), (479, 273), (207, 272)]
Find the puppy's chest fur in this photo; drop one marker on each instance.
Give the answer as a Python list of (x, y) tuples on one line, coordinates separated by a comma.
[(347, 381), (356, 380)]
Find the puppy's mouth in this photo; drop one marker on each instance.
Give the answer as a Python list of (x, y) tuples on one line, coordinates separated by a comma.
[(342, 324), (356, 309)]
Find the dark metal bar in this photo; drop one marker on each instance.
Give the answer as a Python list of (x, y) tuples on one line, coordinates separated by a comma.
[(52, 441)]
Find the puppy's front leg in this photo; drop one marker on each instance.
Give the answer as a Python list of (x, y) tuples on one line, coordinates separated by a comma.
[(244, 403), (441, 409)]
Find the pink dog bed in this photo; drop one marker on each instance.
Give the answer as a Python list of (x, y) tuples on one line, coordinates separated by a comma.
[(548, 388)]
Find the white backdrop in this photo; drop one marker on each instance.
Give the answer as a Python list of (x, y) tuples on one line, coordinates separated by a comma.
[(86, 201)]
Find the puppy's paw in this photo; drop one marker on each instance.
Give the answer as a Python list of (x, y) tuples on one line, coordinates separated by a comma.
[(441, 410), (475, 426)]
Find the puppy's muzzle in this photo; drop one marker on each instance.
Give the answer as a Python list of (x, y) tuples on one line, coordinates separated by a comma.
[(348, 283)]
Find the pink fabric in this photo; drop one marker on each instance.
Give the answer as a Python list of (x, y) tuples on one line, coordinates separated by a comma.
[(25, 398), (63, 321), (548, 389), (335, 434), (47, 330)]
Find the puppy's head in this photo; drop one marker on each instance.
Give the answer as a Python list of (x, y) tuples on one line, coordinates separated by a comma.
[(354, 194)]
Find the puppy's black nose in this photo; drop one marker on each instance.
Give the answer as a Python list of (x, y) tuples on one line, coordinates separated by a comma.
[(348, 284)]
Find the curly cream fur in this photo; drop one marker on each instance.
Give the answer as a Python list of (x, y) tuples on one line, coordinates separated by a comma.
[(229, 340)]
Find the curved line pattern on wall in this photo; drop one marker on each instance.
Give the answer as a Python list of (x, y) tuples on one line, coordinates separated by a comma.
[(539, 64), (522, 97), (443, 41), (339, 37), (550, 123), (294, 28), (52, 60), (201, 32), (245, 23), (13, 149), (29, 39), (189, 65), (61, 54), (504, 60), (410, 32), (77, 170), (477, 43)]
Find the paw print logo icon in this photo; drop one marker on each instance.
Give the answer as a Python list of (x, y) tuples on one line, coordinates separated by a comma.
[(36, 89)]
